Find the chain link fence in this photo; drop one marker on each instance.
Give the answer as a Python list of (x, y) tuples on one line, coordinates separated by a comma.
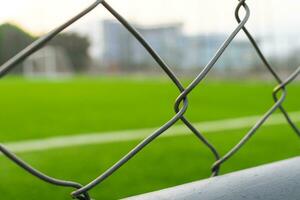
[(181, 103)]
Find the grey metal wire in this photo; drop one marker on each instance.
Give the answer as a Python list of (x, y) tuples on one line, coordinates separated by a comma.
[(278, 101), (41, 175), (180, 106)]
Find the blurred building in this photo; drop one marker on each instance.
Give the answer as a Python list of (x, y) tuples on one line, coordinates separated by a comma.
[(166, 39), (239, 55), (120, 50), (116, 45), (199, 49)]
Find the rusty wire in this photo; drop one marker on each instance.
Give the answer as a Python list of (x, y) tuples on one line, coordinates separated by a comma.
[(181, 103)]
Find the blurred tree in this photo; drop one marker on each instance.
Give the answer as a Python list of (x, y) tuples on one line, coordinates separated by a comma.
[(12, 40), (77, 49)]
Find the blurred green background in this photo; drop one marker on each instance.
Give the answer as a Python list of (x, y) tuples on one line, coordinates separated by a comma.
[(37, 109)]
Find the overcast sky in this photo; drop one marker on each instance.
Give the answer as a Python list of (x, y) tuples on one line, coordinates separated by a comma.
[(198, 15), (276, 22)]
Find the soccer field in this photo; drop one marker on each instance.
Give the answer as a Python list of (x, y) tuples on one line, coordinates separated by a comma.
[(44, 109)]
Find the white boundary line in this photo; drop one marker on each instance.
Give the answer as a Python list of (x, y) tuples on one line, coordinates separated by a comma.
[(130, 135)]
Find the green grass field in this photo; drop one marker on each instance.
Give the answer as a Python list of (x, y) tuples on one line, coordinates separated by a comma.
[(42, 109)]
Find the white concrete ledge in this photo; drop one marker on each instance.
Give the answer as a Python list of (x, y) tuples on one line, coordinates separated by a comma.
[(277, 181)]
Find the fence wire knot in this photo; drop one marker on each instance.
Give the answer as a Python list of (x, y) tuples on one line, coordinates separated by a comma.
[(181, 103)]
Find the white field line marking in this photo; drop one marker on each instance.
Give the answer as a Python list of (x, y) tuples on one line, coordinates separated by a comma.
[(130, 135)]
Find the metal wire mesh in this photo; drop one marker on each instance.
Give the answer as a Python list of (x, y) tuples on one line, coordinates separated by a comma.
[(181, 103)]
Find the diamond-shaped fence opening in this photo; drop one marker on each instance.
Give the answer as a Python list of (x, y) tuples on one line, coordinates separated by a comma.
[(181, 103)]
